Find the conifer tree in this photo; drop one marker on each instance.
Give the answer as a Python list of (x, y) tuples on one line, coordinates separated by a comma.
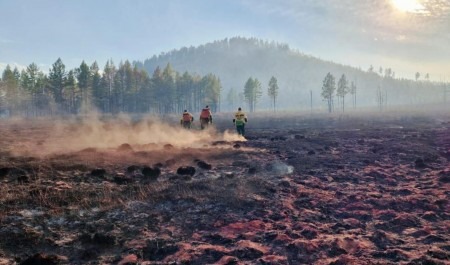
[(98, 91), (72, 93), (353, 93), (252, 92), (83, 75), (328, 88), (56, 78), (109, 73), (342, 90), (11, 91), (273, 91)]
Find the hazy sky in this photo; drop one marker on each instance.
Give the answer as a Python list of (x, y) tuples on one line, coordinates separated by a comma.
[(405, 35)]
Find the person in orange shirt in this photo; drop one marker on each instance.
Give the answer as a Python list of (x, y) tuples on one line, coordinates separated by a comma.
[(186, 120), (205, 117)]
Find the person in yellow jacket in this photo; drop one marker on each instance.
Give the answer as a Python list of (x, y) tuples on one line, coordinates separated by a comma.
[(240, 119), (186, 120), (205, 117)]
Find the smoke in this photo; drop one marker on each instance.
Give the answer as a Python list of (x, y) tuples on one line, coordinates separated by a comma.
[(149, 133), (231, 136)]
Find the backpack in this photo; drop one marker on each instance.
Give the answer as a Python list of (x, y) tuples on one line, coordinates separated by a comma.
[(205, 114), (186, 117)]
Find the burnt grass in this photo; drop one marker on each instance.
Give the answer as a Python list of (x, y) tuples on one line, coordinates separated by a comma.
[(305, 191)]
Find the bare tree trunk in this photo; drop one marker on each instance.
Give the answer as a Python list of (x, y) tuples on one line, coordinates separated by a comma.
[(274, 108)]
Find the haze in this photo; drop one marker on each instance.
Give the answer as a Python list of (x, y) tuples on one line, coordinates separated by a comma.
[(406, 35)]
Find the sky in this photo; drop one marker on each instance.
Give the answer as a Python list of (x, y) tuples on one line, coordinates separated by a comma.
[(407, 36)]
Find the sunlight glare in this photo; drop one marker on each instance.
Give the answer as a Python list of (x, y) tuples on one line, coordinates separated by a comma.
[(410, 6)]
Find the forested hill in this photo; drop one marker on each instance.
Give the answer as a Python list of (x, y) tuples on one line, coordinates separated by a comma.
[(224, 74), (235, 60)]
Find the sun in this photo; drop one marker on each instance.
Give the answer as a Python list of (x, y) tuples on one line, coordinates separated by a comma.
[(410, 6)]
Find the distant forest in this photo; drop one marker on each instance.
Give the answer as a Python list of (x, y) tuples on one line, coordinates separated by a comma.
[(124, 88), (216, 74)]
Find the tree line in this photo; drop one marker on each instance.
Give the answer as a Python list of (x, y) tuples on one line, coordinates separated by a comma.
[(387, 87), (145, 87), (122, 88), (125, 88)]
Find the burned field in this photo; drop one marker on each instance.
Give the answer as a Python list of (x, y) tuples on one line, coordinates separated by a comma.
[(316, 191)]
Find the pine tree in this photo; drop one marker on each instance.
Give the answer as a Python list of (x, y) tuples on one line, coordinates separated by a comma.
[(135, 87), (11, 91), (342, 90), (29, 82), (273, 91), (233, 98), (98, 92), (211, 88), (83, 75), (126, 74), (252, 92), (353, 93), (44, 101), (56, 78), (72, 93), (122, 86), (185, 92), (328, 88), (168, 87), (157, 82), (143, 96), (109, 73), (29, 78)]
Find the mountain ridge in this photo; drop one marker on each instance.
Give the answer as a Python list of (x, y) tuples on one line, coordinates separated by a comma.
[(299, 75)]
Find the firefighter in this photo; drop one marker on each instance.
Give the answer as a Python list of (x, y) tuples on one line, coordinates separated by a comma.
[(186, 120), (240, 119), (205, 117)]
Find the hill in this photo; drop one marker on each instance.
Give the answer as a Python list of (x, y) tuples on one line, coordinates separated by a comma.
[(299, 75)]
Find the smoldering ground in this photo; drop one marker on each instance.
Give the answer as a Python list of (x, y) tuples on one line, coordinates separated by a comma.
[(316, 189)]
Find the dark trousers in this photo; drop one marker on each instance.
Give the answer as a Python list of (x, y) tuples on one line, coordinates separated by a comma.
[(187, 124), (204, 123), (240, 129)]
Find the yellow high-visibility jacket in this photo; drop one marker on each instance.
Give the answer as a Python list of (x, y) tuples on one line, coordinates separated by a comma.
[(240, 118)]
